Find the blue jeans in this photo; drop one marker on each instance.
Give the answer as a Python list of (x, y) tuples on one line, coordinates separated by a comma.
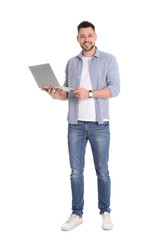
[(99, 138)]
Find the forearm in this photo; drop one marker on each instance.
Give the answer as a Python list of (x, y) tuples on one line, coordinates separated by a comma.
[(102, 93), (82, 93)]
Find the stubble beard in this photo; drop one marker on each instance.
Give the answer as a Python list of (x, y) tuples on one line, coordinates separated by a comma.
[(87, 50)]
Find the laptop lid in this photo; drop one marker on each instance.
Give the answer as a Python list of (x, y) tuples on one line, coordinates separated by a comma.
[(44, 76)]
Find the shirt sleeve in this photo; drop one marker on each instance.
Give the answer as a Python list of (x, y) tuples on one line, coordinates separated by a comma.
[(113, 78), (66, 76)]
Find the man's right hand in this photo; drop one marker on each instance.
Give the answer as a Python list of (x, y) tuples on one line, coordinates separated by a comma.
[(56, 93)]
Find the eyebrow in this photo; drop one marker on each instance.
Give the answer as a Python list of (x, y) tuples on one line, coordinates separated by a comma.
[(82, 34)]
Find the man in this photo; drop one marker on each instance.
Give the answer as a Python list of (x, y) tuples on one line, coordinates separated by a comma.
[(95, 77)]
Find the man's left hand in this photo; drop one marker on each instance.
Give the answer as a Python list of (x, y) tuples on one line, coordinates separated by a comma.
[(81, 93)]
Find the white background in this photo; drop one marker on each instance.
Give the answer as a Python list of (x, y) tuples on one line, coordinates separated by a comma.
[(35, 195)]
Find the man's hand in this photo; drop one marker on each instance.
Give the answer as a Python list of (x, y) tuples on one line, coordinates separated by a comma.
[(81, 93), (56, 93)]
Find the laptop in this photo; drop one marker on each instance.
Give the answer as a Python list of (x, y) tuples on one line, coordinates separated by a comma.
[(45, 77)]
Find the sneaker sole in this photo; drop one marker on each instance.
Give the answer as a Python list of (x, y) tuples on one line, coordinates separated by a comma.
[(107, 229)]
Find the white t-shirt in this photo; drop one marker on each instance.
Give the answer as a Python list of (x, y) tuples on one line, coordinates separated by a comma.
[(86, 108)]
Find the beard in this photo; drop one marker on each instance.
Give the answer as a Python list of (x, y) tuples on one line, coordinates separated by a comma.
[(87, 49)]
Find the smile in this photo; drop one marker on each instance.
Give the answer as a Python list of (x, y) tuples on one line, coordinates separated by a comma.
[(86, 44)]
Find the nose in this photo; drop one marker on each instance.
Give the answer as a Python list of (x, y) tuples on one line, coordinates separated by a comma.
[(86, 39)]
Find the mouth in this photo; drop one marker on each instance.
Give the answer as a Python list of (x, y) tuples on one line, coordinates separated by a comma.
[(86, 44)]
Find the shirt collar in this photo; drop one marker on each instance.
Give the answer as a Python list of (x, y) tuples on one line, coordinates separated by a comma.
[(97, 53)]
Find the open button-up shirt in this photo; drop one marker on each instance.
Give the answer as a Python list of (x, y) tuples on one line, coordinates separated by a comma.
[(104, 72)]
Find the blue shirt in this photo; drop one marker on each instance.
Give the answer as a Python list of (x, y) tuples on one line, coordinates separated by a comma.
[(104, 72)]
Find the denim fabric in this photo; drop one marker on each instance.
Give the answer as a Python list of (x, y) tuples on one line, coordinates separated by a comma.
[(99, 138), (104, 72)]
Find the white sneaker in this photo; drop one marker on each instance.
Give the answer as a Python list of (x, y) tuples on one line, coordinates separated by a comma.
[(72, 222), (106, 221)]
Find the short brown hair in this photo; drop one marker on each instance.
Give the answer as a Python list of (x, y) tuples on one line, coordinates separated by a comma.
[(85, 24)]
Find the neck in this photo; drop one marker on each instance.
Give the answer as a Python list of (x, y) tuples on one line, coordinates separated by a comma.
[(89, 53)]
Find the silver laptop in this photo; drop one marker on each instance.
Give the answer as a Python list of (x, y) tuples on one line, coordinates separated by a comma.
[(45, 77)]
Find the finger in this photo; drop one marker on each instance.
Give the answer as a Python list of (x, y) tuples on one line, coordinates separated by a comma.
[(44, 89), (59, 90), (75, 91), (49, 89), (52, 89)]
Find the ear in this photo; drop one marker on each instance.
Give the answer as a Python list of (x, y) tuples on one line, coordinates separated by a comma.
[(77, 38), (95, 37)]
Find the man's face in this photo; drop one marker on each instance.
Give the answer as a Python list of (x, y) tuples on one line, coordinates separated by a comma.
[(86, 38)]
